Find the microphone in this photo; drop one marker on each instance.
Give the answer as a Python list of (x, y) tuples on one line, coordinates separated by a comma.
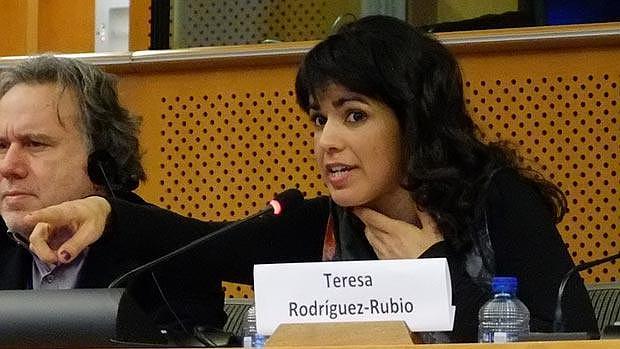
[(287, 200), (558, 323)]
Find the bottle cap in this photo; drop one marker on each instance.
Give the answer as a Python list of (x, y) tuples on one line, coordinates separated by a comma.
[(504, 284)]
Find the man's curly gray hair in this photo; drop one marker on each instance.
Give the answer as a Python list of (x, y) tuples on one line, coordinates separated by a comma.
[(107, 125)]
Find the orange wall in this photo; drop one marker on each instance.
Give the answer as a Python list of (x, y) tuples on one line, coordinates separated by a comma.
[(139, 25), (55, 25), (220, 140), (13, 21), (66, 26), (222, 137)]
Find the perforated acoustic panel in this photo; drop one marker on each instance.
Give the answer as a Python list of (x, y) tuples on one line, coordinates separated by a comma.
[(226, 155), (221, 142), (561, 113), (212, 22), (567, 128)]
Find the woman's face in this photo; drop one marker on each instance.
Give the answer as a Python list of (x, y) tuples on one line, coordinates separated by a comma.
[(357, 144)]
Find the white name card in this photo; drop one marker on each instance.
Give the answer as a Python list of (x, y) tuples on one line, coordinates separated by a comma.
[(417, 291)]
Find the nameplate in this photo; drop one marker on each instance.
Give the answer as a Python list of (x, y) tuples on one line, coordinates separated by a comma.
[(416, 291)]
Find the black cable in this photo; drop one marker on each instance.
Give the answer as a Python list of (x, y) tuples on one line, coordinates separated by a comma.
[(558, 321), (163, 296), (157, 285), (107, 181)]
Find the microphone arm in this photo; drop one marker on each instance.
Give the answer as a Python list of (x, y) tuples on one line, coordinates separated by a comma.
[(189, 246), (558, 323), (285, 201)]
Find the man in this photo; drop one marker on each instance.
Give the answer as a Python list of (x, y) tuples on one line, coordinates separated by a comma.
[(64, 136)]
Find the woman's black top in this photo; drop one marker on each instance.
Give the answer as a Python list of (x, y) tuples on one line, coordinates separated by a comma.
[(524, 239)]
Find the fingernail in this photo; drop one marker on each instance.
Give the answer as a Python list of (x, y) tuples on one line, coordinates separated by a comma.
[(65, 255)]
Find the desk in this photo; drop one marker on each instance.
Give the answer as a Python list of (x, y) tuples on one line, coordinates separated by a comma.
[(582, 344)]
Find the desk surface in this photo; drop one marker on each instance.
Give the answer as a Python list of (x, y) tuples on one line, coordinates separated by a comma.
[(585, 344), (582, 344)]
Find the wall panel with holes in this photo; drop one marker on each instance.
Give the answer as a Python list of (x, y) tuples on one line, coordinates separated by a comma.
[(222, 137), (220, 143), (211, 22), (560, 110)]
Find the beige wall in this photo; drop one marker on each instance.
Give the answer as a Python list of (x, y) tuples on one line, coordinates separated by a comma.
[(424, 12), (456, 10)]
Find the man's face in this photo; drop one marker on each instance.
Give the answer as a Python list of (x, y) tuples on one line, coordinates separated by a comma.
[(43, 152)]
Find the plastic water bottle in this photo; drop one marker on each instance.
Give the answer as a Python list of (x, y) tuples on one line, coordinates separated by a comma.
[(504, 318), (251, 338)]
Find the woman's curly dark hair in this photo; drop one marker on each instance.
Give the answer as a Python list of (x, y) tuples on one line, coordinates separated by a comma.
[(447, 166)]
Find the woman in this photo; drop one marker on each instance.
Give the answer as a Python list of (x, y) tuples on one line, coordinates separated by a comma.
[(408, 178)]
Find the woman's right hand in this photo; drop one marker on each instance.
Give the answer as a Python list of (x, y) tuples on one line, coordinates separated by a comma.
[(61, 232), (395, 239)]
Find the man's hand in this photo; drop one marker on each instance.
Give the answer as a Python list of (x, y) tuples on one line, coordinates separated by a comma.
[(61, 232), (395, 239)]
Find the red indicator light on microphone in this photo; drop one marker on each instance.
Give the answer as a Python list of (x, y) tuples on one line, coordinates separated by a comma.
[(277, 208)]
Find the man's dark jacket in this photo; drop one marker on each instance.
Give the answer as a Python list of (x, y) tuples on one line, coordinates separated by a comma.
[(193, 292)]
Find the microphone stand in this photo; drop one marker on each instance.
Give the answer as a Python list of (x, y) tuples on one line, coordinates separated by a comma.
[(558, 323), (284, 201), (127, 275)]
